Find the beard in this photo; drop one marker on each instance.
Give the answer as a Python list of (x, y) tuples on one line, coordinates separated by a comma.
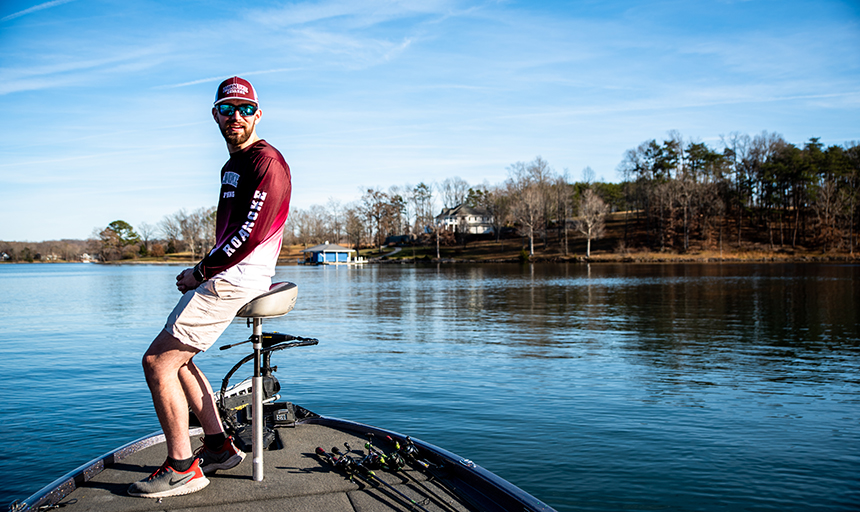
[(237, 138)]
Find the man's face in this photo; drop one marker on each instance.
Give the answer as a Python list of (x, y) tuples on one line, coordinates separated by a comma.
[(236, 128)]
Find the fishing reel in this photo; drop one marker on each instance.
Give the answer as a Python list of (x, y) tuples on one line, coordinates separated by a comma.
[(377, 459), (363, 470), (344, 460)]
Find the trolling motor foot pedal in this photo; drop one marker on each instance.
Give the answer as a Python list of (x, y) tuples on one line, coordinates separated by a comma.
[(244, 438), (285, 415)]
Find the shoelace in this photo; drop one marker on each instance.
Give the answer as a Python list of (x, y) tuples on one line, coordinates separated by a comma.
[(162, 469), (199, 452)]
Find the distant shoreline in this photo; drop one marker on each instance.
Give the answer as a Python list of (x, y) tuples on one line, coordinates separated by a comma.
[(636, 258)]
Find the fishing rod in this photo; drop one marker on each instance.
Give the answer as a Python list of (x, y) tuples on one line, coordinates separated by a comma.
[(368, 472), (353, 467), (394, 462), (409, 452)]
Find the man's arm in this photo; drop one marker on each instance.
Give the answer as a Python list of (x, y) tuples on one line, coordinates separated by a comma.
[(266, 209)]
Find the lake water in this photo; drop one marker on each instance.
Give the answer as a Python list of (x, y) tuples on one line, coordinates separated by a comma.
[(601, 387)]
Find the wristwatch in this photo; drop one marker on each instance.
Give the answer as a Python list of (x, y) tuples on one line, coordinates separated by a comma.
[(198, 275)]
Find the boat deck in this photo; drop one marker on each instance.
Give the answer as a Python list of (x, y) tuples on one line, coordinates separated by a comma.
[(295, 479)]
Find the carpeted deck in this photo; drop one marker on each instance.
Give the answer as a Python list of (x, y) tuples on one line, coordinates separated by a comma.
[(295, 479)]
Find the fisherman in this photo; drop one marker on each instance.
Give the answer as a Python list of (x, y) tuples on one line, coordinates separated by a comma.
[(252, 209)]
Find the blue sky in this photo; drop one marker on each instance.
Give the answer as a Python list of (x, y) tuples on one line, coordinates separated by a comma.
[(107, 103)]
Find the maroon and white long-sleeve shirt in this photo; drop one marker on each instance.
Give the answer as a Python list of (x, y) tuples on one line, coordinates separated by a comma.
[(252, 210)]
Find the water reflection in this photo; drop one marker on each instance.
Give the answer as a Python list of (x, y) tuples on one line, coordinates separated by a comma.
[(712, 310)]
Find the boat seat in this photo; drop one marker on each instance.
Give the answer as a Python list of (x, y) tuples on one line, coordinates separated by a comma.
[(278, 301)]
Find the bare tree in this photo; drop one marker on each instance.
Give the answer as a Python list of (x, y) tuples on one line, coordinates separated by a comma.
[(302, 227), (191, 227), (592, 215), (146, 232), (587, 175), (541, 176), (737, 152), (171, 230), (852, 192), (291, 228), (207, 226), (317, 223), (528, 199), (374, 207), (453, 192), (409, 212), (354, 225), (564, 203), (335, 222)]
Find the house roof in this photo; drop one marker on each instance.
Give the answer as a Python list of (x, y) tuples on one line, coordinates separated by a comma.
[(463, 210), (327, 247)]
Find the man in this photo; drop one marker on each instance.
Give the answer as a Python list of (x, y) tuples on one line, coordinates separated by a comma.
[(252, 210)]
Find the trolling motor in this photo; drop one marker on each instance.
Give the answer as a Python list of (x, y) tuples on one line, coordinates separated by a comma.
[(278, 301)]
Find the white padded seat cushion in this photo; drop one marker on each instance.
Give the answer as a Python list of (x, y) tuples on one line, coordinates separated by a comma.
[(278, 301)]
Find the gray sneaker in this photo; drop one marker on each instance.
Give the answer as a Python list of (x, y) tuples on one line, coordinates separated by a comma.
[(166, 481), (226, 458)]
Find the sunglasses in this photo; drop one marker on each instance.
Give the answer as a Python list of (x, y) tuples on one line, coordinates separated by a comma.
[(227, 110)]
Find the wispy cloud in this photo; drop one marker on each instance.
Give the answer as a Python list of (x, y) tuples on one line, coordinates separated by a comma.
[(35, 8), (359, 51), (351, 12), (63, 72), (215, 79)]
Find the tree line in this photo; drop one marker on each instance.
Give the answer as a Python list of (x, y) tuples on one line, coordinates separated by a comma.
[(748, 190), (181, 231), (675, 194), (529, 203), (759, 189)]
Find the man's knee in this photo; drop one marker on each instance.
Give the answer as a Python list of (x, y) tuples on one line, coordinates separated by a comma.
[(149, 363), (165, 357), (153, 368)]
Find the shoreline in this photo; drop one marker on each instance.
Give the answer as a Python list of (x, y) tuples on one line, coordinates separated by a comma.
[(637, 258)]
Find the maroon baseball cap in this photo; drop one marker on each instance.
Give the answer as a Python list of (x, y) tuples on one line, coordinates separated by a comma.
[(236, 88)]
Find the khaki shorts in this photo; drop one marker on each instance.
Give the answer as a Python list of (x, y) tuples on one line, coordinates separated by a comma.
[(203, 313)]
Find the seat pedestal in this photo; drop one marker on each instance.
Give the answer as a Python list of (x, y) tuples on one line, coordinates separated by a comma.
[(257, 397), (277, 301)]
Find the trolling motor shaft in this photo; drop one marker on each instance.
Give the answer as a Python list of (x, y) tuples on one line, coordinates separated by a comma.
[(263, 375)]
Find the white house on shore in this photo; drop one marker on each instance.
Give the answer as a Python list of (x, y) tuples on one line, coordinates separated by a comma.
[(465, 219)]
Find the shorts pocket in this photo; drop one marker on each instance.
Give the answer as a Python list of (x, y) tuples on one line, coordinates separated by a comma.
[(223, 290)]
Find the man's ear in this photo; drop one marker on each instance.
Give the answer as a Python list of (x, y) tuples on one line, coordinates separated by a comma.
[(215, 115)]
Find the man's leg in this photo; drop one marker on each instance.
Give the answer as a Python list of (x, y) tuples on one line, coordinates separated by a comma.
[(181, 474), (176, 383), (199, 394), (164, 363)]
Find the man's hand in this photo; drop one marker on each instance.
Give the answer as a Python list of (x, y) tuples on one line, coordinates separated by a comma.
[(186, 281)]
